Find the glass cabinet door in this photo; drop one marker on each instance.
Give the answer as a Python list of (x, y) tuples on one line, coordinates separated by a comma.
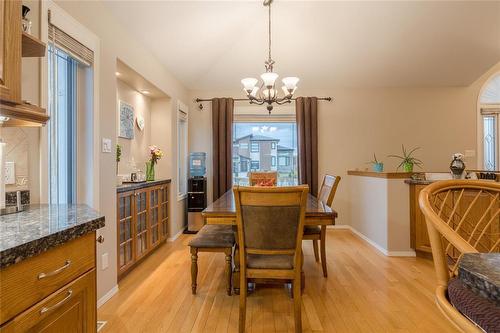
[(125, 229), (141, 225), (164, 212), (154, 215)]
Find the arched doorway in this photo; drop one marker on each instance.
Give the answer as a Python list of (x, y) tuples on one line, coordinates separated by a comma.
[(489, 113)]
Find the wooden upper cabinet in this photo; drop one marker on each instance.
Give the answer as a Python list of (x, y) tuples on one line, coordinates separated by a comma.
[(10, 51)]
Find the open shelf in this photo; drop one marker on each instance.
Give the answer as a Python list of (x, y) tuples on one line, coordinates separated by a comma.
[(32, 46)]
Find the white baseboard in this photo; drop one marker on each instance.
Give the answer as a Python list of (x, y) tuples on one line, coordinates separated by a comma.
[(174, 237), (379, 248), (107, 296)]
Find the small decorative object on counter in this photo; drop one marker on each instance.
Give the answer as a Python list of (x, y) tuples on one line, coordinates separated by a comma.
[(156, 154), (377, 166), (457, 166), (407, 160), (26, 23)]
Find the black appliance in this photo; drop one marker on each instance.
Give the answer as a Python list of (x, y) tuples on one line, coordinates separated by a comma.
[(196, 203)]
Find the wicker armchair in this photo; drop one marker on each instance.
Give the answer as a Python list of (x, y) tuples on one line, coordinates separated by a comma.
[(462, 216)]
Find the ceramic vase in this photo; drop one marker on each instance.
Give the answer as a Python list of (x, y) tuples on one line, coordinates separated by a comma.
[(378, 167)]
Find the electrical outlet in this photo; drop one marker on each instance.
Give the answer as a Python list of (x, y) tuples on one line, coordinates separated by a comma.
[(106, 145), (104, 261)]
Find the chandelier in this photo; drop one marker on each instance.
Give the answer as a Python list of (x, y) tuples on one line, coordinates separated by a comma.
[(266, 92)]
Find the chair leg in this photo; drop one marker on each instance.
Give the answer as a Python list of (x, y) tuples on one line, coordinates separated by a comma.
[(323, 250), (243, 304), (229, 271), (194, 269), (297, 303), (316, 251)]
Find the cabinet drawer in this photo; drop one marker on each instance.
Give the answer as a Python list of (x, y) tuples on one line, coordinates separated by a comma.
[(33, 279), (70, 309)]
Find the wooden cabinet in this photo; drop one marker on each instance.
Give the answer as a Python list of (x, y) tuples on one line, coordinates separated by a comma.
[(52, 292), (10, 51), (418, 228), (142, 224), (14, 44)]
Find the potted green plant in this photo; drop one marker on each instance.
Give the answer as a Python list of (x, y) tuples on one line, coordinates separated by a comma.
[(377, 166), (118, 156), (407, 159)]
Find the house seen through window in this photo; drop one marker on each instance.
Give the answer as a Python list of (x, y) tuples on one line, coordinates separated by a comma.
[(265, 146)]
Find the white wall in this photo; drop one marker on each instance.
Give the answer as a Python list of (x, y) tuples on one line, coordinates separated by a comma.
[(135, 152), (361, 121), (116, 43)]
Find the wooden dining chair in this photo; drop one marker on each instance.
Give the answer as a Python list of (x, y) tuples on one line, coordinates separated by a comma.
[(267, 178), (316, 233), (462, 216), (270, 224)]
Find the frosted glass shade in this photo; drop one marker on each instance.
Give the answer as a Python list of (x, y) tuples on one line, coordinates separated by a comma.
[(269, 78), (254, 91), (249, 83), (290, 82), (269, 93)]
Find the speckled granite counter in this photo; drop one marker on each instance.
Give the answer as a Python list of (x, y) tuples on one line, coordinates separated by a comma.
[(41, 227), (135, 186), (481, 272)]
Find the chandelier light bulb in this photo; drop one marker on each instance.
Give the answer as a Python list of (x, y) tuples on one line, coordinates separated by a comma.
[(249, 84), (290, 82), (269, 78)]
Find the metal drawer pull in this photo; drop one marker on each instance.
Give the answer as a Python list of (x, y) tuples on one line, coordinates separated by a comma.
[(57, 271), (58, 304)]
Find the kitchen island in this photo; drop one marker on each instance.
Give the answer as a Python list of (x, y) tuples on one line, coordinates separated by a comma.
[(48, 269)]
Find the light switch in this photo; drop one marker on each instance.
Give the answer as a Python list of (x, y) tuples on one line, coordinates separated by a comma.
[(106, 145), (104, 261), (10, 173)]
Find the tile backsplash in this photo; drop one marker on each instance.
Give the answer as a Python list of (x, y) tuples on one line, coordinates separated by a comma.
[(11, 198), (17, 158)]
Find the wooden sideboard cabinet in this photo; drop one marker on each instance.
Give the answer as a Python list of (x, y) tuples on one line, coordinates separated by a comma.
[(419, 236), (52, 292), (14, 45), (142, 224)]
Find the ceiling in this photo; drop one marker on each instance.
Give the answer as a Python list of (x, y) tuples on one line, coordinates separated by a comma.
[(211, 45)]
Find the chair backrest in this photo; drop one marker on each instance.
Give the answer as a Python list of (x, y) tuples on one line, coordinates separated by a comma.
[(270, 220), (462, 216), (271, 177), (328, 189)]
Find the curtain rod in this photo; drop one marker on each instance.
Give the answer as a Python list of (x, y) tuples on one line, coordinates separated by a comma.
[(199, 100)]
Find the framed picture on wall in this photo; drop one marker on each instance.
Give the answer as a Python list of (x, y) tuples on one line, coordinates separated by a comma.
[(126, 129)]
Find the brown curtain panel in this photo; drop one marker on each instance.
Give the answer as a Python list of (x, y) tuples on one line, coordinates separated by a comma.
[(306, 110), (222, 130)]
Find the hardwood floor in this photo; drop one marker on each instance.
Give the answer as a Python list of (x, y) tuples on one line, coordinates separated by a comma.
[(364, 292)]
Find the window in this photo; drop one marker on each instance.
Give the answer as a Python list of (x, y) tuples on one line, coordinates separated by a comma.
[(254, 147), (490, 109), (273, 147), (62, 126), (243, 166), (243, 145), (182, 151)]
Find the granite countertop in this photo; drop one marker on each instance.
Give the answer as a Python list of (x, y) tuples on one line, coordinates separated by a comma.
[(41, 227), (135, 186), (481, 272)]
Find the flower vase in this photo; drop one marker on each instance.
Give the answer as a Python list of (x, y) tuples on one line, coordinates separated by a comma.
[(150, 171)]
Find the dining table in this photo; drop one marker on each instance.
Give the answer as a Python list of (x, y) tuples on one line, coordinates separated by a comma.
[(223, 211)]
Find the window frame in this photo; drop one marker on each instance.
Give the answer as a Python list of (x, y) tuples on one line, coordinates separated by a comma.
[(182, 151), (254, 144), (252, 163)]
